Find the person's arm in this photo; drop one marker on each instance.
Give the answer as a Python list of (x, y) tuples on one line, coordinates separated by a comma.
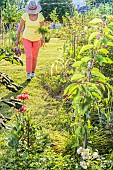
[(21, 25)]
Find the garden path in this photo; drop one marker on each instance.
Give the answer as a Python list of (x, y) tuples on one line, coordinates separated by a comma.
[(46, 110)]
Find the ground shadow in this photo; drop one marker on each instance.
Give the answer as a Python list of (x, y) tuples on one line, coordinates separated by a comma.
[(25, 83)]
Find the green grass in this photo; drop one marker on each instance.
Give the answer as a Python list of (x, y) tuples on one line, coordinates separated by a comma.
[(46, 111)]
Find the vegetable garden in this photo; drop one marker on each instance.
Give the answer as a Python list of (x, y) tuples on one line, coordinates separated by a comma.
[(63, 119)]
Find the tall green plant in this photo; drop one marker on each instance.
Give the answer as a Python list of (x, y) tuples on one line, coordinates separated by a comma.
[(25, 140), (54, 16), (10, 15), (90, 88)]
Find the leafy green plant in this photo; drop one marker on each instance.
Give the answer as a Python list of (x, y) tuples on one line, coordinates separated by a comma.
[(29, 147), (12, 35), (10, 56), (54, 16), (88, 83), (42, 30), (45, 32), (98, 142), (10, 14)]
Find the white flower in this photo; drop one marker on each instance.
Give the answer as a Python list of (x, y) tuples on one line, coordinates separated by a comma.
[(85, 155), (85, 28), (83, 164), (87, 150), (79, 150), (95, 155)]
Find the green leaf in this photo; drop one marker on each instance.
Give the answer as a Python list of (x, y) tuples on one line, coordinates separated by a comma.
[(89, 124), (96, 21), (104, 51), (110, 44), (85, 59), (88, 99), (77, 64), (106, 31), (84, 106), (2, 56), (76, 92), (110, 28), (102, 80), (98, 91), (86, 47), (96, 95), (84, 88), (78, 130), (71, 87), (93, 35), (77, 76), (103, 87), (99, 58), (8, 58), (108, 93), (17, 60), (110, 36), (105, 40), (42, 30), (97, 43), (111, 87), (107, 60), (97, 73)]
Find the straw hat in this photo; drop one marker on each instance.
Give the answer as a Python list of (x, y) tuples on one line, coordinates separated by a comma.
[(33, 7)]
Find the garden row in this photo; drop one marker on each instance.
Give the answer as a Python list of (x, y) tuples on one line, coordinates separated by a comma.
[(81, 80)]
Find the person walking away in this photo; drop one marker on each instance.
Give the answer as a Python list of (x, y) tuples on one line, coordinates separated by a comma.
[(31, 20)]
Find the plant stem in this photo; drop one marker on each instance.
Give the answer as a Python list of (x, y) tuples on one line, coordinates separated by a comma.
[(85, 134), (28, 134)]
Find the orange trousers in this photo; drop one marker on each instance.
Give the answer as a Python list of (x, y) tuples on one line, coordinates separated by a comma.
[(31, 49)]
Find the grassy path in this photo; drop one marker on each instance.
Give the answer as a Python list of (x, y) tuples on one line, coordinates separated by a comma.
[(47, 112)]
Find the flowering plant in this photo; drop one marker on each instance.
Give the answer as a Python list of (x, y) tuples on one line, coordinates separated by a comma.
[(87, 157), (18, 130), (23, 96)]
